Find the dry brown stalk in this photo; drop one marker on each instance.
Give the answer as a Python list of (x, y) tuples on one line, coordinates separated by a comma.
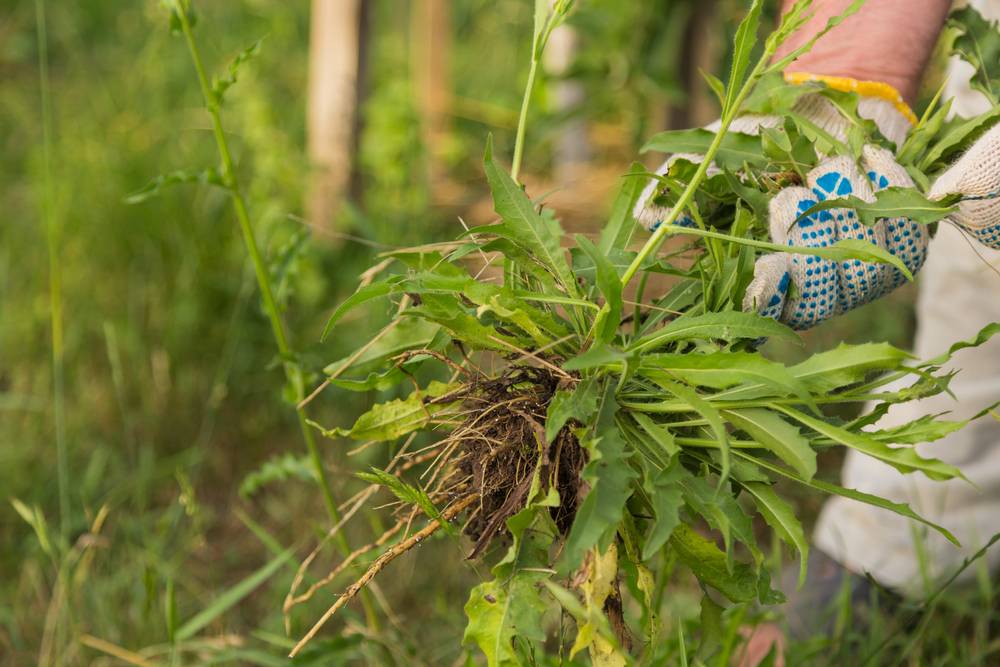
[(531, 355), (300, 574), (383, 560)]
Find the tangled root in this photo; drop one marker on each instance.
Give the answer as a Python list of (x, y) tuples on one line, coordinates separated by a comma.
[(502, 443)]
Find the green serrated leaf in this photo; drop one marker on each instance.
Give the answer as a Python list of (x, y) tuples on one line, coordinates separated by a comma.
[(388, 421), (208, 176), (777, 436), (523, 224), (782, 519), (736, 149), (892, 202), (721, 370), (579, 404), (709, 564), (666, 494), (728, 326), (901, 509), (609, 318), (621, 224), (220, 86), (510, 606), (904, 459), (609, 475)]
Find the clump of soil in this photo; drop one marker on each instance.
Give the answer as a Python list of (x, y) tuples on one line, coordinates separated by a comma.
[(498, 452)]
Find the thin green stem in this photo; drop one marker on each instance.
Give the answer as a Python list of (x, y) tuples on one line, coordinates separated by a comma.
[(688, 195), (55, 277), (292, 372), (523, 119)]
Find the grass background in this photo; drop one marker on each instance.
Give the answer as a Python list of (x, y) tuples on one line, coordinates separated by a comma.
[(171, 403)]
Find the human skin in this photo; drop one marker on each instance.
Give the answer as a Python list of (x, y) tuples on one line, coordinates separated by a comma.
[(887, 40)]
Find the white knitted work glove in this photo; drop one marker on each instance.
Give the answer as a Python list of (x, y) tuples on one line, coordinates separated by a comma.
[(825, 287)]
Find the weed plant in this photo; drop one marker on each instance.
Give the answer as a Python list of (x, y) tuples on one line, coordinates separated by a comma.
[(597, 443)]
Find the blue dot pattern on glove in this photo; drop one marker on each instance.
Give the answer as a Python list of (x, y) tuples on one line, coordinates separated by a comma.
[(860, 282), (904, 238), (683, 220), (816, 279)]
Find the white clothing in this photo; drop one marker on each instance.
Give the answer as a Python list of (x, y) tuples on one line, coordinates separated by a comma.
[(959, 295)]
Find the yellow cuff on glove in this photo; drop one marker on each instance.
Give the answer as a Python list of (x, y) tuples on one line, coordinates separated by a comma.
[(875, 89)]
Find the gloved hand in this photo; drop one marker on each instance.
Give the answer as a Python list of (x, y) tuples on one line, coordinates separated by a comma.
[(825, 287)]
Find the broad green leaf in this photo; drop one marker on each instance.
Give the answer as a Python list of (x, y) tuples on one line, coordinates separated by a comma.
[(720, 370), (746, 37), (846, 365), (736, 149), (607, 322), (709, 564), (621, 224), (924, 429), (510, 605), (522, 223), (901, 509), (362, 296), (658, 433), (232, 596), (892, 202), (757, 200), (208, 176), (904, 459), (777, 436), (728, 326), (711, 627), (525, 321), (782, 519), (609, 475), (579, 404), (412, 333), (511, 251), (388, 421), (722, 513), (711, 415), (959, 136), (667, 499)]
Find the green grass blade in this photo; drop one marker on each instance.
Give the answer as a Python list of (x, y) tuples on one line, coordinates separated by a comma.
[(232, 597)]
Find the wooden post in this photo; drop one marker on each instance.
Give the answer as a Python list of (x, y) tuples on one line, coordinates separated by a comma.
[(432, 50), (334, 47)]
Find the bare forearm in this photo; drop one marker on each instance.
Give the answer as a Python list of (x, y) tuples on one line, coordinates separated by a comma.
[(887, 40)]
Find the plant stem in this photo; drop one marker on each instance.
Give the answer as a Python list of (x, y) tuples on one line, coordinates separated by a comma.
[(55, 277), (523, 119), (292, 371), (688, 195)]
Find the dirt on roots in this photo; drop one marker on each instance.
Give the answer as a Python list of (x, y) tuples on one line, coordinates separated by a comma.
[(496, 452)]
